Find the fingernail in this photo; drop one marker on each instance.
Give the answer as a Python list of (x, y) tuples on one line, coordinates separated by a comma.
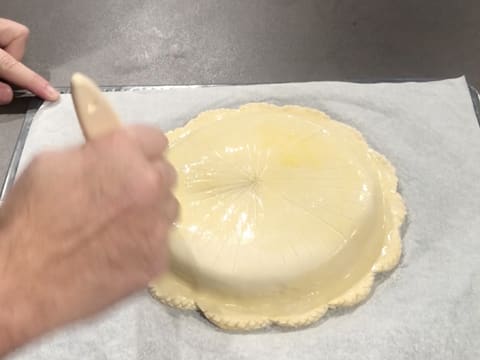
[(51, 93)]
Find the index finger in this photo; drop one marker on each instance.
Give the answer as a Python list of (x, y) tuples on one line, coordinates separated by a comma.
[(18, 74)]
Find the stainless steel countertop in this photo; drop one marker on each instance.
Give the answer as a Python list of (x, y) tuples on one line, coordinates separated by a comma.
[(152, 42)]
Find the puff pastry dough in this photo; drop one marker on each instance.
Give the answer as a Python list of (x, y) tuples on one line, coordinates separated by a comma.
[(285, 213)]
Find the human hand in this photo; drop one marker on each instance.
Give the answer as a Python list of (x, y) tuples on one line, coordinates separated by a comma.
[(13, 41), (83, 228)]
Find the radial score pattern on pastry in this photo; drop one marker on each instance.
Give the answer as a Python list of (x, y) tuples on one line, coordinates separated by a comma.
[(285, 213)]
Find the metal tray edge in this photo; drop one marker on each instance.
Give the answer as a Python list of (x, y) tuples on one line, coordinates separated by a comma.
[(35, 104)]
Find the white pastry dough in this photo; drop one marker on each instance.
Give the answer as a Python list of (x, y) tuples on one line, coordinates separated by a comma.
[(285, 213)]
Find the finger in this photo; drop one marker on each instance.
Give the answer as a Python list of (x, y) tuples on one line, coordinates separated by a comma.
[(171, 209), (16, 73), (13, 38), (167, 172), (160, 259), (152, 141), (6, 94)]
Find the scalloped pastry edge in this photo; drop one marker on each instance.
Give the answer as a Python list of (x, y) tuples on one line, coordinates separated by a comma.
[(387, 260)]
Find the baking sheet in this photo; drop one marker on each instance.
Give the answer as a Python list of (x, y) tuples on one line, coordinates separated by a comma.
[(428, 308), (35, 104)]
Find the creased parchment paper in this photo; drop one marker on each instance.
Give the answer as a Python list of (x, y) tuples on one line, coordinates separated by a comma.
[(428, 308)]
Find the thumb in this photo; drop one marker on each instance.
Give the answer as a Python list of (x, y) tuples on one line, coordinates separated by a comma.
[(6, 94)]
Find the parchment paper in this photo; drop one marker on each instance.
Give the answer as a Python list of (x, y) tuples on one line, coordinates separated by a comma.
[(428, 308)]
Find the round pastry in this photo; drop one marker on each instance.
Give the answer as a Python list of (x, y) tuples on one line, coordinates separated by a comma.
[(285, 213)]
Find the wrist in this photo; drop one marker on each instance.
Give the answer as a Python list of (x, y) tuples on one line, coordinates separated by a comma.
[(9, 337), (17, 320)]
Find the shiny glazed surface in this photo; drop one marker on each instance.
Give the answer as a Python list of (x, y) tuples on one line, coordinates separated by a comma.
[(284, 212)]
